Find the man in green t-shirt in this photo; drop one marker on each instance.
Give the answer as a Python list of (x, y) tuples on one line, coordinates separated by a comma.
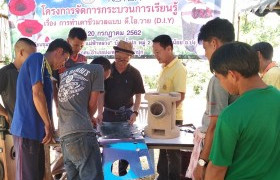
[(246, 143)]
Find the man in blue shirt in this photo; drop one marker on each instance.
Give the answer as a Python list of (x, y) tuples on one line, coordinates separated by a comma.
[(32, 124)]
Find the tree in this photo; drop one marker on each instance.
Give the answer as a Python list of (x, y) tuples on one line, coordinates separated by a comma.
[(254, 29)]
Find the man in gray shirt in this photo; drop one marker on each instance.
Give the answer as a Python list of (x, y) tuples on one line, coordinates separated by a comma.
[(213, 35), (78, 92)]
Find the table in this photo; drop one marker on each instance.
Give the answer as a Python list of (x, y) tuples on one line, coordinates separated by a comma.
[(123, 130), (184, 142)]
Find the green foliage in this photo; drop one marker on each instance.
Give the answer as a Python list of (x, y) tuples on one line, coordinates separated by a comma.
[(151, 81), (197, 89), (254, 29), (6, 60), (197, 81), (198, 75), (247, 25)]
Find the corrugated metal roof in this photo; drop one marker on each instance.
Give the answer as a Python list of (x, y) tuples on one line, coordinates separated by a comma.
[(254, 5)]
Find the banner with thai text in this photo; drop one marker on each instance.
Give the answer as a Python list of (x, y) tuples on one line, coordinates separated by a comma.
[(108, 21)]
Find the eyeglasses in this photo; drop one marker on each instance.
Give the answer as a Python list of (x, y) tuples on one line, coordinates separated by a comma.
[(121, 59)]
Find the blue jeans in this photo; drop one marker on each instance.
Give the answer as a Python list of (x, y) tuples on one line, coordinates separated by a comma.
[(81, 155)]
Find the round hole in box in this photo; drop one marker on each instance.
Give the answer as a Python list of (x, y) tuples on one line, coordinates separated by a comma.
[(157, 109)]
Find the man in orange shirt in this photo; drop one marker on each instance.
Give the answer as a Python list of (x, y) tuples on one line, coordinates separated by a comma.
[(270, 72)]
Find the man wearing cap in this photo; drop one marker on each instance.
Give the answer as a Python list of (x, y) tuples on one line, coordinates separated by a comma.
[(124, 83)]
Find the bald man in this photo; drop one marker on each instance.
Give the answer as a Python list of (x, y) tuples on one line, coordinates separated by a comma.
[(8, 77)]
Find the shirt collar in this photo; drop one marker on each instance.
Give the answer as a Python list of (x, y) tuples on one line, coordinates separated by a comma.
[(171, 63), (115, 70), (74, 58), (13, 66), (268, 67)]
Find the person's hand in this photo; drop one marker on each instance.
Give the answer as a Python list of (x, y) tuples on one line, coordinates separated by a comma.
[(99, 118), (94, 121), (199, 172), (6, 116), (49, 135), (132, 118)]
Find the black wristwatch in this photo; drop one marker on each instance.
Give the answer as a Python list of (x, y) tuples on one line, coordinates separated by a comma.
[(202, 162), (136, 113)]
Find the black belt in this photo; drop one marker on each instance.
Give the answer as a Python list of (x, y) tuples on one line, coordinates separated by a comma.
[(116, 112)]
